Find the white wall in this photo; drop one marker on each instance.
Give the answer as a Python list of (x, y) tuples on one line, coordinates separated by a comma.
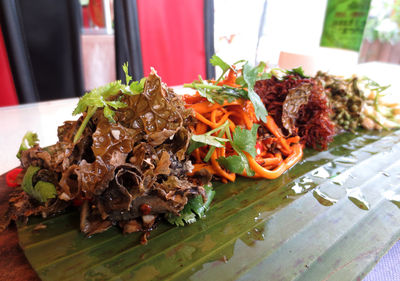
[(292, 26)]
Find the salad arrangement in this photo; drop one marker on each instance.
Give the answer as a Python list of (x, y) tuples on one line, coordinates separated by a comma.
[(139, 153)]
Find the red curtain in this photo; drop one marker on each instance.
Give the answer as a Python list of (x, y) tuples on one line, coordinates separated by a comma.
[(172, 39), (8, 95)]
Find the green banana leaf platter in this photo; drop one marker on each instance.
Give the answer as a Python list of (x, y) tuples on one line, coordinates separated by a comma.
[(331, 217)]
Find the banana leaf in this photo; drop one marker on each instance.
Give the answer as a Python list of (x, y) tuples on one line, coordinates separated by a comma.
[(331, 217)]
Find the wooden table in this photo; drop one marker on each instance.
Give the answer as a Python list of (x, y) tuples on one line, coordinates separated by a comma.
[(42, 118), (13, 264)]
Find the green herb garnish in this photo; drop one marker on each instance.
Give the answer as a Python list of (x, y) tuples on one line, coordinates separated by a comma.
[(250, 75), (42, 191), (100, 98), (218, 94), (299, 71), (29, 140), (241, 140), (195, 208)]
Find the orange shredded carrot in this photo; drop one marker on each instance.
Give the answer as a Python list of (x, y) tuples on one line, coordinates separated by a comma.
[(275, 154), (197, 156), (201, 128), (210, 123), (285, 165), (221, 172), (199, 167)]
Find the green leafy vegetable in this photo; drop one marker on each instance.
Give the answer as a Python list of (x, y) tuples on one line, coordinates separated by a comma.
[(246, 140), (217, 61), (217, 94), (99, 98), (205, 139), (29, 140), (241, 140), (137, 87), (233, 163), (299, 71), (197, 141), (128, 78), (42, 191), (193, 210), (250, 75), (281, 74)]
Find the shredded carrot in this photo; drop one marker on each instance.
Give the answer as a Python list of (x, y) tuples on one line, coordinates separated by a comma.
[(197, 156), (198, 167), (220, 171), (201, 128), (210, 123), (285, 165), (275, 152)]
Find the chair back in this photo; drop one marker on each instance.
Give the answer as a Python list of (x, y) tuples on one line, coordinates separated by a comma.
[(42, 38)]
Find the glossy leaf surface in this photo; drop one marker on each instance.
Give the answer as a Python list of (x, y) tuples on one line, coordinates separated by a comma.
[(331, 217)]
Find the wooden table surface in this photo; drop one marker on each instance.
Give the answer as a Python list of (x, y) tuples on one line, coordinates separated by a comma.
[(13, 263)]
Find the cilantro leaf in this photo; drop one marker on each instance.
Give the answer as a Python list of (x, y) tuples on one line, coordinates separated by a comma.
[(236, 163), (242, 140), (193, 146), (29, 140), (299, 71), (246, 140), (97, 97), (205, 139), (197, 141), (128, 78), (195, 208), (250, 77), (217, 61), (42, 191), (217, 94), (137, 87), (232, 163), (116, 104)]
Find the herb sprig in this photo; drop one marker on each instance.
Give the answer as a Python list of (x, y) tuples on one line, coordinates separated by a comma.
[(218, 94), (100, 98), (241, 140), (29, 140), (195, 208), (215, 93)]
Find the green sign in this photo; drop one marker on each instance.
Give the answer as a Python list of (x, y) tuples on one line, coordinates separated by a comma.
[(344, 23)]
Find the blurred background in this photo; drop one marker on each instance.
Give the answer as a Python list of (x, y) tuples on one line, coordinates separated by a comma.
[(60, 49)]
